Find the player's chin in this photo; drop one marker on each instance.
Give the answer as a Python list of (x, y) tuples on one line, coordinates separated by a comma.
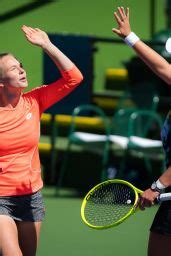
[(23, 84)]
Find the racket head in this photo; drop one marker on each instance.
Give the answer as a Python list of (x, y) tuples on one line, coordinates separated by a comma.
[(109, 203)]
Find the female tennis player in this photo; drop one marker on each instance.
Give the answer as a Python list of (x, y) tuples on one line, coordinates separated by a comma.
[(160, 235), (21, 205)]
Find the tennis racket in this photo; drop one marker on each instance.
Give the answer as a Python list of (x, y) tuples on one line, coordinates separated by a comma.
[(111, 202)]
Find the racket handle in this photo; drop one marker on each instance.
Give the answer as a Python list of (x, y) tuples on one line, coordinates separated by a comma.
[(164, 197)]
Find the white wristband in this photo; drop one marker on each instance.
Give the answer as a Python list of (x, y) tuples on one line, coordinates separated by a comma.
[(131, 39), (160, 185)]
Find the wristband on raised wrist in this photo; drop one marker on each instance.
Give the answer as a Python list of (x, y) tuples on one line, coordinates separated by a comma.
[(157, 186), (160, 185), (131, 39)]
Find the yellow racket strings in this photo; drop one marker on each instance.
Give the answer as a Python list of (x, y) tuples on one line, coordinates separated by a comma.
[(108, 204)]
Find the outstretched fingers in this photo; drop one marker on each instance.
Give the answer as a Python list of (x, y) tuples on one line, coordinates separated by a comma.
[(127, 12), (118, 19), (28, 30), (117, 31), (121, 16), (122, 13), (122, 19)]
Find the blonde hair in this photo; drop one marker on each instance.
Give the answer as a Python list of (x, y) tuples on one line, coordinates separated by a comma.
[(2, 55)]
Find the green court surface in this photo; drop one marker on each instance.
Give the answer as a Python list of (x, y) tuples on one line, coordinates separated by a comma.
[(64, 233)]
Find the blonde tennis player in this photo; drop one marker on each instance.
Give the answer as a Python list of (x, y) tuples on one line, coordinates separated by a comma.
[(21, 205)]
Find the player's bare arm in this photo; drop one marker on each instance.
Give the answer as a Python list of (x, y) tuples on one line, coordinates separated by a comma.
[(39, 38), (152, 59)]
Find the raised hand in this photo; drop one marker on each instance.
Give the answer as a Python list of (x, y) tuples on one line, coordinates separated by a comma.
[(36, 36), (122, 19)]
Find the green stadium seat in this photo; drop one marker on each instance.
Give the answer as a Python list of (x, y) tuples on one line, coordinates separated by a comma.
[(131, 134), (93, 142)]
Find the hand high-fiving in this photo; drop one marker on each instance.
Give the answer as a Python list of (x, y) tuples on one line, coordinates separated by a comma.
[(122, 19), (36, 36)]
